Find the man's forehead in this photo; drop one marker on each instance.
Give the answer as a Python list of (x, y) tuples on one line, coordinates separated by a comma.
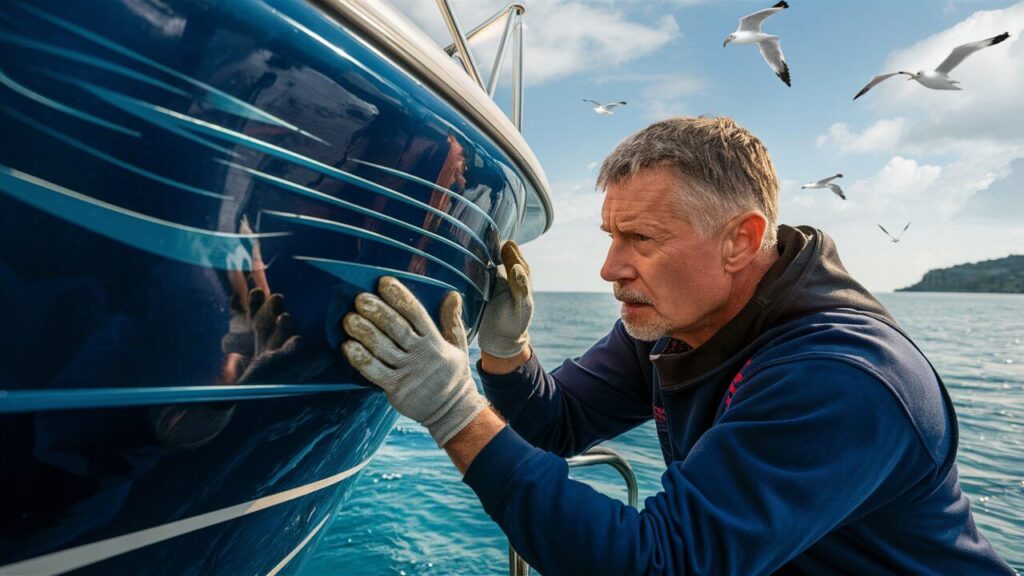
[(649, 194), (635, 213), (648, 187)]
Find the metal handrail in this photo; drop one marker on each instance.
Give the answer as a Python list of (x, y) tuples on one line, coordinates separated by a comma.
[(513, 14), (517, 74), (499, 58), (451, 48), (596, 455), (460, 41)]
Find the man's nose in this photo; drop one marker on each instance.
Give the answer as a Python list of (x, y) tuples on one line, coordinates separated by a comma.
[(617, 266)]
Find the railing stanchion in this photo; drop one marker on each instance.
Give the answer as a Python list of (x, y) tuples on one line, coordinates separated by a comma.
[(596, 455)]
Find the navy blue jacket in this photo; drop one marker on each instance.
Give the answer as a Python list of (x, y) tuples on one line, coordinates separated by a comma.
[(808, 436)]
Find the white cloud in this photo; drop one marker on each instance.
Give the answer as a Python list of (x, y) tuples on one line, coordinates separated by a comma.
[(931, 196), (906, 189), (988, 107), (988, 110), (1002, 202), (943, 146), (805, 201), (569, 256), (791, 194), (562, 37), (882, 136), (664, 96), (570, 37), (898, 188), (577, 202), (896, 191)]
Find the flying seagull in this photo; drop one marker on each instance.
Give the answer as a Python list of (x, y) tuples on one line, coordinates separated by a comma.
[(938, 79), (749, 32), (605, 109), (894, 239), (824, 183)]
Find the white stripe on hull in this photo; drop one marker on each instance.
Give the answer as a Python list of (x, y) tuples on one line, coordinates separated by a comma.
[(301, 545), (79, 556)]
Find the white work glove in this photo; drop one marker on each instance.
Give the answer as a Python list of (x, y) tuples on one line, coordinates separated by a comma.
[(424, 374), (507, 314)]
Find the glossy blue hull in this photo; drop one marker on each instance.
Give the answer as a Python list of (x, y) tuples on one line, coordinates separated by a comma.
[(158, 158)]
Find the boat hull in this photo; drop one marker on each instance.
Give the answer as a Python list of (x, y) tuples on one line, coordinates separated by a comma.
[(158, 161)]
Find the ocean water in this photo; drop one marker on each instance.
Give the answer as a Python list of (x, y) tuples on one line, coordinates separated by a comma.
[(411, 514)]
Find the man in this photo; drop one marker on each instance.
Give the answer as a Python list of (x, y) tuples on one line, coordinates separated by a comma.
[(803, 431)]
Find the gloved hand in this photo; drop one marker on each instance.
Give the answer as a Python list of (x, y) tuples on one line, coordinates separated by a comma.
[(507, 314), (424, 373)]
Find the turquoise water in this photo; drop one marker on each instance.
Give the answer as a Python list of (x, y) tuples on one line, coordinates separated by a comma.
[(410, 513)]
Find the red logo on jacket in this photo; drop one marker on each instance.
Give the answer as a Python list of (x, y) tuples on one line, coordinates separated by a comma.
[(659, 414), (734, 384)]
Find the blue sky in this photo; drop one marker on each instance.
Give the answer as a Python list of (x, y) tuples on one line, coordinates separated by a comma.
[(951, 162)]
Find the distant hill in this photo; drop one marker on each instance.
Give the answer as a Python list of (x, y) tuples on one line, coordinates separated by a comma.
[(1000, 275)]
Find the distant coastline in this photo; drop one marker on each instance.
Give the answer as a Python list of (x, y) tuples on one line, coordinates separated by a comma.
[(1003, 275)]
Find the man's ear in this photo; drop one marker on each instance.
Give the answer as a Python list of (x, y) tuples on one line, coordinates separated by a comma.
[(742, 240)]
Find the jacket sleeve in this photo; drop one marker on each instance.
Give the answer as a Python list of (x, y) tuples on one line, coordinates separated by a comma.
[(586, 400), (801, 448)]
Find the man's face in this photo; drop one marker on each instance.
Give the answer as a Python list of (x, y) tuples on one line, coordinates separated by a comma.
[(671, 281)]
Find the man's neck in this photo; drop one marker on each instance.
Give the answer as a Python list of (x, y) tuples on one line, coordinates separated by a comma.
[(744, 285)]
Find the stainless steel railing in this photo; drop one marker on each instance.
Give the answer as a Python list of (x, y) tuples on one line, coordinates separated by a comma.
[(513, 15), (596, 455)]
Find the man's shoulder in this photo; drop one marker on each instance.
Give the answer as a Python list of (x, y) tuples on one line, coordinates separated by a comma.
[(847, 333), (875, 347), (871, 343)]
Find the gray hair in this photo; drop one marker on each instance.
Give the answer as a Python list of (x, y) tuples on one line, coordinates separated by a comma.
[(727, 170)]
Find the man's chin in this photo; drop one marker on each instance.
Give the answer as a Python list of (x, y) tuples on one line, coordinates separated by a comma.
[(644, 331)]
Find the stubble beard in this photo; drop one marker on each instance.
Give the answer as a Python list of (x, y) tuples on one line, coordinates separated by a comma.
[(649, 330)]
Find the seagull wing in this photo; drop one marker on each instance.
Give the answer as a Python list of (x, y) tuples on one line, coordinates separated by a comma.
[(829, 179), (876, 80), (772, 52), (904, 230), (594, 102), (837, 190), (752, 22), (886, 231), (611, 105), (963, 51)]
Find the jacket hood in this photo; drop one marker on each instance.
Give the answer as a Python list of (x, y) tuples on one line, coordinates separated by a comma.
[(808, 278)]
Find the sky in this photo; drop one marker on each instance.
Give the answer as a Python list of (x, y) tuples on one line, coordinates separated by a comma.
[(952, 163)]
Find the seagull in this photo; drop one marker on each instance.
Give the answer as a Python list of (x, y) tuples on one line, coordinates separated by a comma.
[(749, 32), (605, 109), (894, 239), (824, 183), (938, 79)]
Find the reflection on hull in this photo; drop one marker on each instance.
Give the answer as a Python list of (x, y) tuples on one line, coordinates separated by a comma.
[(191, 195)]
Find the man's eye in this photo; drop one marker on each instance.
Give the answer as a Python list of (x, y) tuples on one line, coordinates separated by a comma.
[(641, 238)]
